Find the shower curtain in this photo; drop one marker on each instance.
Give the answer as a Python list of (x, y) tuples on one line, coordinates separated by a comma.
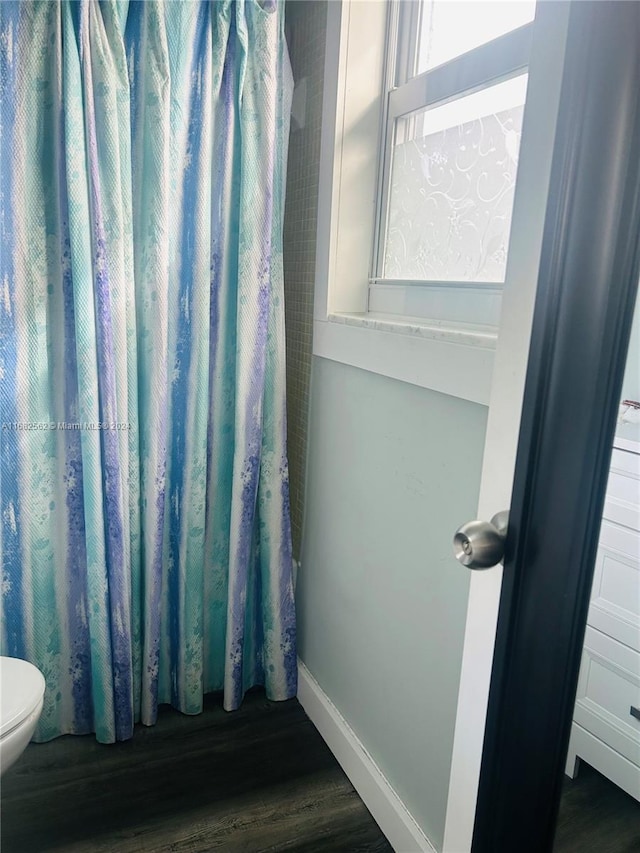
[(145, 533)]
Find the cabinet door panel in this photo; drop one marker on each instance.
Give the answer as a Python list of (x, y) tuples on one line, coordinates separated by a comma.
[(608, 689), (615, 596)]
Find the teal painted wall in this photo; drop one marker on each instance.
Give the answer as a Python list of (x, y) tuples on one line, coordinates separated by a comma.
[(393, 469)]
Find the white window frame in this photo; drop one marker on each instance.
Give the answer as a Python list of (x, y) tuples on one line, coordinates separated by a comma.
[(456, 359), (502, 59)]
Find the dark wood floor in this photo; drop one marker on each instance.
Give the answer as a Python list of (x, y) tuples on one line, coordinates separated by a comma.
[(596, 816), (259, 779)]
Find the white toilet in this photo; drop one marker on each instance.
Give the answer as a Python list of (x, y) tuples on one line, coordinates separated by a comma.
[(21, 696)]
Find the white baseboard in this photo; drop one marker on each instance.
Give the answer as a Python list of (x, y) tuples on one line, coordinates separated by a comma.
[(388, 810)]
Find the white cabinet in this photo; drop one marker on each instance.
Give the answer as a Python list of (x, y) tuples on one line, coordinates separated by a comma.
[(606, 721)]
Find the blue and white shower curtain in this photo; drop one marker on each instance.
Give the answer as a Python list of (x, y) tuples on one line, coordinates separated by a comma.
[(145, 533)]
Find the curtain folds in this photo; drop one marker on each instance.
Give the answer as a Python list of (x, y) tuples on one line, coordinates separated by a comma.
[(145, 534)]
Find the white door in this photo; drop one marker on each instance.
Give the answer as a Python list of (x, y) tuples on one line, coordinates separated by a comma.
[(538, 135)]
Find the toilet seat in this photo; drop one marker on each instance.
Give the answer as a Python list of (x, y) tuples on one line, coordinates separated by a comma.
[(21, 690)]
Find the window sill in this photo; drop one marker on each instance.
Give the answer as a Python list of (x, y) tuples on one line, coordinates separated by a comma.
[(451, 360), (462, 333)]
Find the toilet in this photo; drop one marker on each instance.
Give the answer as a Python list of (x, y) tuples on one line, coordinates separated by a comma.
[(21, 696)]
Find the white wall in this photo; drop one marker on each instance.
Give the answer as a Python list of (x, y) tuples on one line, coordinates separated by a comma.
[(631, 383), (381, 601)]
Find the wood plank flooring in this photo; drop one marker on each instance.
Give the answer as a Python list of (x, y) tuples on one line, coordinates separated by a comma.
[(260, 779), (596, 816)]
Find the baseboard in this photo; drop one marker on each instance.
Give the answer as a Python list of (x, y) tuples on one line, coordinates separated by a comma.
[(388, 810)]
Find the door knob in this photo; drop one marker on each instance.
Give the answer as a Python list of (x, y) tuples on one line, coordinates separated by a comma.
[(480, 544)]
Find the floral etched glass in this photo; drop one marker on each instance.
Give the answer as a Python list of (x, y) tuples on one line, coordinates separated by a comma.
[(452, 186)]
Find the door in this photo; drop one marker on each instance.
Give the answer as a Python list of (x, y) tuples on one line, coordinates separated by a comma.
[(554, 241)]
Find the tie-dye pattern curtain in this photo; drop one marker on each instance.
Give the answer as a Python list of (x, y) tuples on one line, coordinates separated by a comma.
[(143, 483)]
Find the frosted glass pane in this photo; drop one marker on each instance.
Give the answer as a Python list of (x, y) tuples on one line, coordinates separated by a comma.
[(452, 184), (450, 28)]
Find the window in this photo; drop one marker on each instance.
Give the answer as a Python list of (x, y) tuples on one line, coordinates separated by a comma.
[(441, 35), (453, 173), (422, 117), (453, 107)]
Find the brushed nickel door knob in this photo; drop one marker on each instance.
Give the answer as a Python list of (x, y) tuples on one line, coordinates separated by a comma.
[(480, 544)]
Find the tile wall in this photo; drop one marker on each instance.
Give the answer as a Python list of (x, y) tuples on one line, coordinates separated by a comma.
[(306, 32)]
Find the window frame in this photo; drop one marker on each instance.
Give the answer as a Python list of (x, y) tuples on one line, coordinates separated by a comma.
[(445, 357), (500, 59)]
